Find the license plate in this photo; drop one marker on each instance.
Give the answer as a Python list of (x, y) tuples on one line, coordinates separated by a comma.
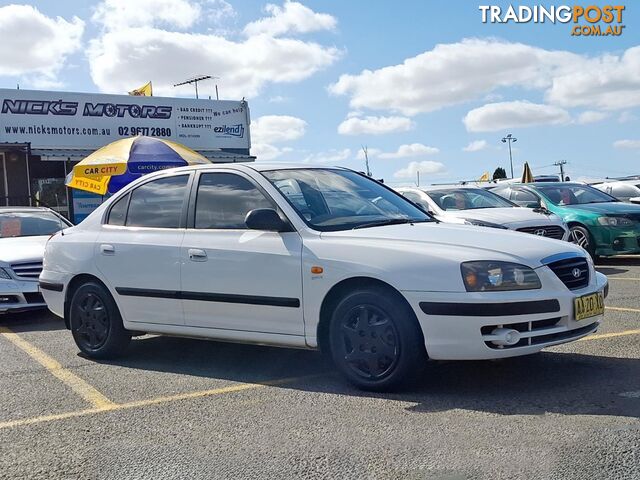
[(589, 306)]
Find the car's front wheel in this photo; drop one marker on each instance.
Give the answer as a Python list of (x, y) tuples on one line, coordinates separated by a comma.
[(581, 237), (96, 324), (375, 339)]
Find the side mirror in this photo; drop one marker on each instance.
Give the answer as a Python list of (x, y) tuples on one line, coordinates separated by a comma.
[(266, 219), (533, 205), (635, 200)]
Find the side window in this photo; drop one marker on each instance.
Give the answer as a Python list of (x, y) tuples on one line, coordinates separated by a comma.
[(623, 191), (224, 199), (522, 197), (415, 198), (118, 213), (158, 203)]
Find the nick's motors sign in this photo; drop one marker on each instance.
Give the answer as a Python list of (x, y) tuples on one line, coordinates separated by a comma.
[(585, 20), (89, 121)]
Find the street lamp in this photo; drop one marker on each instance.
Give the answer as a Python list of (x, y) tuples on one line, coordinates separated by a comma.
[(508, 139)]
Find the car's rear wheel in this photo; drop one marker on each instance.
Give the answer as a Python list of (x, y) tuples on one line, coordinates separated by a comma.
[(375, 339), (581, 237), (96, 324)]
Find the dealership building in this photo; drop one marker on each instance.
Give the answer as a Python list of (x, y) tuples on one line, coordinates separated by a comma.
[(44, 134)]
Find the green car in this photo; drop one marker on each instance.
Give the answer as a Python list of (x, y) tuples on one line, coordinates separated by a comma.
[(598, 222)]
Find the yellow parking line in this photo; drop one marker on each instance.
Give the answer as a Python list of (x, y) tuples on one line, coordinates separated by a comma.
[(82, 388), (628, 279), (611, 335), (151, 401), (623, 309)]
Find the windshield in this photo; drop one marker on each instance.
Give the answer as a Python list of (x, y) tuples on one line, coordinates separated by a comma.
[(29, 224), (330, 200), (574, 194), (467, 199)]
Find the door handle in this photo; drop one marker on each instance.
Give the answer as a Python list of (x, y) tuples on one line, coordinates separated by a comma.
[(107, 249), (197, 255)]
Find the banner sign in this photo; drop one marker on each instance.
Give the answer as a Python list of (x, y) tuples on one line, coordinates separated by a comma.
[(90, 121)]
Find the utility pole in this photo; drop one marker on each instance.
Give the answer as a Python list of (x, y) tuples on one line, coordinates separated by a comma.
[(561, 164), (418, 175), (366, 159), (508, 139)]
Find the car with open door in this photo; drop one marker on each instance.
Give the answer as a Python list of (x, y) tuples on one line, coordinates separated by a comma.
[(316, 258)]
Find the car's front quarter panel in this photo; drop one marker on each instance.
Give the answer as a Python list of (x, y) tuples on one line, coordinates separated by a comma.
[(65, 257)]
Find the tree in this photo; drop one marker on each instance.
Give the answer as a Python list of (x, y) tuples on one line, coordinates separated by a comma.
[(499, 173)]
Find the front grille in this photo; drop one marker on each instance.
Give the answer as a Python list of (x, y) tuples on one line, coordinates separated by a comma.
[(32, 297), (27, 271), (551, 231), (566, 271)]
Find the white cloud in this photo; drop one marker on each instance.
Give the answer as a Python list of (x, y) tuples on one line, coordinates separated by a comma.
[(426, 167), (118, 14), (499, 116), (292, 17), (452, 73), (410, 150), (33, 43), (591, 116), (628, 144), (609, 82), (626, 117), (122, 59), (331, 156), (272, 129), (476, 146), (371, 125), (277, 128), (475, 68), (265, 152)]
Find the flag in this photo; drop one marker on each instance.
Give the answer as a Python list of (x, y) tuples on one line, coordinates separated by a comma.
[(143, 91), (485, 177)]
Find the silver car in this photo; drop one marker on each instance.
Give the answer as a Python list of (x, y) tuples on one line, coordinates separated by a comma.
[(24, 232)]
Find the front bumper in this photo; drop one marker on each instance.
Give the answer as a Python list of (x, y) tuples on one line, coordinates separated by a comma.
[(542, 317), (20, 296), (616, 241)]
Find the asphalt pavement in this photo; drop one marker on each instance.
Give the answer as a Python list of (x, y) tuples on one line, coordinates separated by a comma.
[(183, 408)]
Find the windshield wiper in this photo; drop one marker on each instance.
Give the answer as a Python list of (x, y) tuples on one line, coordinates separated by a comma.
[(388, 221)]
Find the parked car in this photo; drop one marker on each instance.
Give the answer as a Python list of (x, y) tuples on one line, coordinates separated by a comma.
[(476, 206), (623, 190), (312, 258), (598, 222), (24, 231)]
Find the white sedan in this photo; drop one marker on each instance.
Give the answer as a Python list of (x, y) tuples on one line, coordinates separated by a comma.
[(316, 258), (476, 206), (24, 231)]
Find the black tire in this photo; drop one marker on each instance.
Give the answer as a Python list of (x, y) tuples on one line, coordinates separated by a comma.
[(375, 340), (580, 236), (96, 324)]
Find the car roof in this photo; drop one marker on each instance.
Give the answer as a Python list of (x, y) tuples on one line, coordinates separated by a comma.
[(24, 209), (257, 166)]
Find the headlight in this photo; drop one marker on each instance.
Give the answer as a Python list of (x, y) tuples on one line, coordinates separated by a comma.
[(615, 221), (496, 276), (480, 223), (4, 274)]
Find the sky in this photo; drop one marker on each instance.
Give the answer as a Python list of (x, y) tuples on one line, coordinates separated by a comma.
[(424, 85)]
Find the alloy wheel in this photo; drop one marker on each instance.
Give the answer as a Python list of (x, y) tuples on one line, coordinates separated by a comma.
[(580, 238)]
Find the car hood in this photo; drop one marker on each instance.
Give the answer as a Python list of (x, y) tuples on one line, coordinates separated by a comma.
[(619, 208), (457, 243), (506, 216), (22, 249)]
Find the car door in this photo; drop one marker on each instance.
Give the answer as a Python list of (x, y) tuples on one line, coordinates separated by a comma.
[(138, 250), (234, 278)]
